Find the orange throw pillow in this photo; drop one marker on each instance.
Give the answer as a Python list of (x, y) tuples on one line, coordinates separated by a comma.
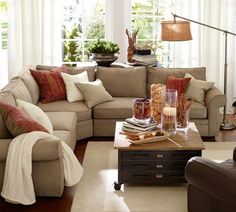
[(180, 84), (18, 121), (51, 84)]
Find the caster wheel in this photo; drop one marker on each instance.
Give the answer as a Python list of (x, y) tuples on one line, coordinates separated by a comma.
[(117, 186)]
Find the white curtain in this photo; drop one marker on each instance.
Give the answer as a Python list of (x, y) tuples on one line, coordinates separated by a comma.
[(34, 35), (207, 47)]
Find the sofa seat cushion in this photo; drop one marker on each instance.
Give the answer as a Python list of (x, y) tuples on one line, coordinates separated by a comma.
[(64, 136), (63, 120), (120, 108), (198, 111), (81, 109), (43, 150)]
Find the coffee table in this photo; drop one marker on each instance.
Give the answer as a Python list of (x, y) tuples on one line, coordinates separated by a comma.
[(161, 162)]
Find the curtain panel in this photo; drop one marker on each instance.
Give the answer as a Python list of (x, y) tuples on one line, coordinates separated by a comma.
[(34, 35)]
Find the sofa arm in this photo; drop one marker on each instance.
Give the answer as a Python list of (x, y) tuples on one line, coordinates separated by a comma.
[(214, 99), (216, 179)]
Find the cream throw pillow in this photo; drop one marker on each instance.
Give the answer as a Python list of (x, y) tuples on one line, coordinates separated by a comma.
[(36, 113), (197, 88), (94, 92), (72, 92)]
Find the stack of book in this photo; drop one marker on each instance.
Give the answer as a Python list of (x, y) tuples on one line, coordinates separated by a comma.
[(147, 60), (133, 126)]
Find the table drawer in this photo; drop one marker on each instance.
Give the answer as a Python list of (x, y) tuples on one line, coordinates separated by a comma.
[(154, 165), (154, 177), (158, 155)]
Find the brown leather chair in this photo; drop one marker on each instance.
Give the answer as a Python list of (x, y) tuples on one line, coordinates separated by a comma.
[(211, 185)]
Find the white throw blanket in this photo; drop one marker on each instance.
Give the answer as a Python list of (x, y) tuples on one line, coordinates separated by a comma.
[(18, 184)]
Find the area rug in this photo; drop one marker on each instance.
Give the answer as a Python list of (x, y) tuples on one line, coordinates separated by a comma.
[(95, 191)]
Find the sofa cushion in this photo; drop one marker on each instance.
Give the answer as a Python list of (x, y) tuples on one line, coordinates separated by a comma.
[(94, 93), (17, 121), (62, 120), (81, 109), (43, 150), (51, 84), (73, 70), (36, 113), (198, 111), (160, 75), (30, 83), (123, 82), (197, 89), (18, 90), (8, 98), (120, 108)]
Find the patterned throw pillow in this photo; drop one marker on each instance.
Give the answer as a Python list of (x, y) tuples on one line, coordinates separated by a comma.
[(17, 121), (180, 84), (51, 84)]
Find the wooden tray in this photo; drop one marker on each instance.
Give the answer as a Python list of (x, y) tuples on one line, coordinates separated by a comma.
[(149, 140)]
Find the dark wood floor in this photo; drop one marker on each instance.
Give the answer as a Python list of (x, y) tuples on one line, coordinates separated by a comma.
[(63, 204)]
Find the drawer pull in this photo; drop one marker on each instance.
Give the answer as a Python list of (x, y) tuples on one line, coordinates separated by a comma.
[(159, 166), (160, 156), (159, 175)]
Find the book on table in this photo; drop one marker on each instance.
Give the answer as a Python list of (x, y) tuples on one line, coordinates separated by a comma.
[(137, 127)]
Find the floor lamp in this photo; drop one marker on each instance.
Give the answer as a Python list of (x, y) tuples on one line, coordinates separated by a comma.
[(180, 31)]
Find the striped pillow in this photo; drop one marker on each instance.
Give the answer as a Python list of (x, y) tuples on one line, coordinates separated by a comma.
[(17, 121)]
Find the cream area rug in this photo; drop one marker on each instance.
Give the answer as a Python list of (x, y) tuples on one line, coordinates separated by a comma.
[(95, 190)]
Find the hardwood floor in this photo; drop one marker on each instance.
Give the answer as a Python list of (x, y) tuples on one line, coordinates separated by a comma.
[(63, 204)]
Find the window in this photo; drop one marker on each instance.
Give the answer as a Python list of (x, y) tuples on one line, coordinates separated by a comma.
[(3, 41), (84, 22), (146, 17)]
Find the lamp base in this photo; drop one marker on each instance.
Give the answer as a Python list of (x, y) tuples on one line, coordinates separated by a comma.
[(225, 125)]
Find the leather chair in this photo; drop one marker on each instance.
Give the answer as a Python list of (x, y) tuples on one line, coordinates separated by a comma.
[(211, 185)]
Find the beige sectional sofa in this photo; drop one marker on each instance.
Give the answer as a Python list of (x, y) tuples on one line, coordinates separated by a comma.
[(75, 121)]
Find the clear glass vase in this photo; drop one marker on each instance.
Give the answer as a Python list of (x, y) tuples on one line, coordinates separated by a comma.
[(169, 112)]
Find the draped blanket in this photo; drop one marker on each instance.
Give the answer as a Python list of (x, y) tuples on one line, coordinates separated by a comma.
[(18, 184)]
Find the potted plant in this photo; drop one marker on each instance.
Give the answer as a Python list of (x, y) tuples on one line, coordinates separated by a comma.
[(103, 52)]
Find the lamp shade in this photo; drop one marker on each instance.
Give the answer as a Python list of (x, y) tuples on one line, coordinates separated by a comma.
[(175, 31)]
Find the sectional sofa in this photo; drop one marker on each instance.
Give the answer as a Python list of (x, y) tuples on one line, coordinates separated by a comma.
[(75, 121)]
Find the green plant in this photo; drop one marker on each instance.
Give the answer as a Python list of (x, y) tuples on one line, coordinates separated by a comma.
[(103, 47)]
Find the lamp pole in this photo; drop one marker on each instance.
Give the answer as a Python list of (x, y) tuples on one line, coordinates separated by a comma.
[(224, 125)]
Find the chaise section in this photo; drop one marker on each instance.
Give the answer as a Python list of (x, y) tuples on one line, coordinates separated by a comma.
[(83, 113), (64, 126)]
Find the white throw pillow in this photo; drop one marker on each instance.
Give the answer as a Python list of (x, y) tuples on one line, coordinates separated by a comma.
[(94, 92), (36, 113), (72, 92), (197, 88)]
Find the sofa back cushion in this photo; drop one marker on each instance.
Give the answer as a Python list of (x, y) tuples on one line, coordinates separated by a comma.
[(123, 82), (73, 70), (160, 75), (18, 90), (8, 98), (31, 84)]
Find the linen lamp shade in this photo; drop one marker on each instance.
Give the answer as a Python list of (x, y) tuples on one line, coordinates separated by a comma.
[(175, 31)]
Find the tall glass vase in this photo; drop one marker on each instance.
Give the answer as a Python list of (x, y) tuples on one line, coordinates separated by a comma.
[(169, 111)]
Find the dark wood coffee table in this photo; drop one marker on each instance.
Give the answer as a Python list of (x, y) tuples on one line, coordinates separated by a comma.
[(161, 162)]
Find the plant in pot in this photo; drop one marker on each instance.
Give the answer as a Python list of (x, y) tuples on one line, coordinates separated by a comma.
[(103, 52)]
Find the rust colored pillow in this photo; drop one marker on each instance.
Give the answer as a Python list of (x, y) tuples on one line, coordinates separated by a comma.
[(180, 84), (17, 121), (51, 84)]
